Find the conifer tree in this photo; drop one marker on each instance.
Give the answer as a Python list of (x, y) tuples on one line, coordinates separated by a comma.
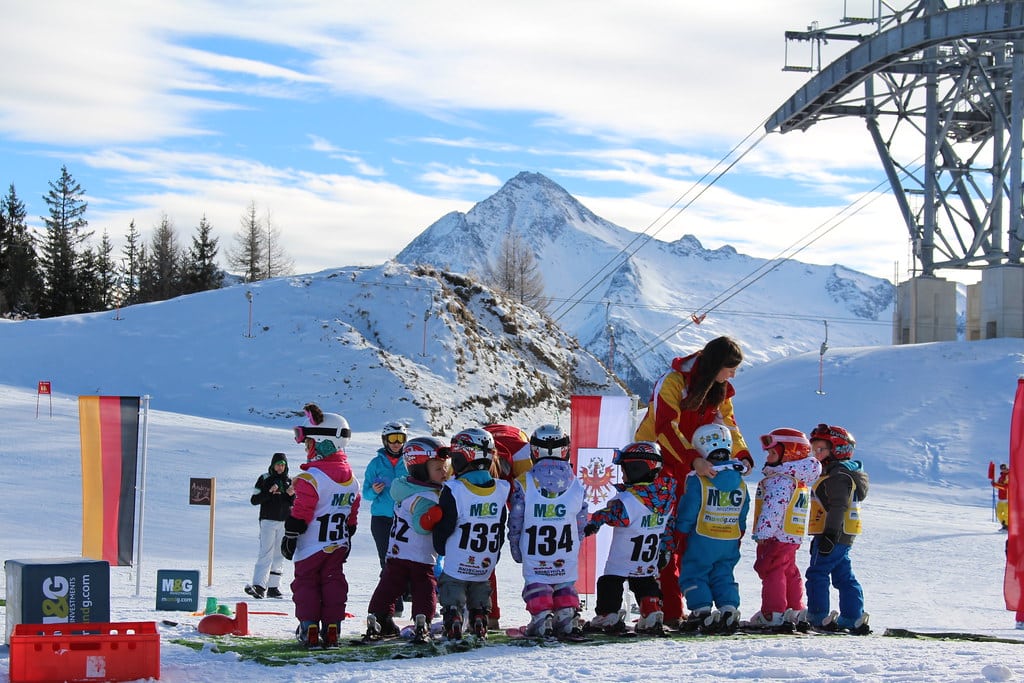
[(58, 256), (20, 279), (200, 267), (131, 265), (247, 254)]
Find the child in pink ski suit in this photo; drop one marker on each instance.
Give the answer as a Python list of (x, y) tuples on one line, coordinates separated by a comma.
[(780, 512)]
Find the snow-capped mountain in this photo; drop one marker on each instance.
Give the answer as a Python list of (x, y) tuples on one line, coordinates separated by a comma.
[(391, 342), (636, 313)]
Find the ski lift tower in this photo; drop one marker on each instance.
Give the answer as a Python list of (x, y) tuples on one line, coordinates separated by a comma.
[(945, 79)]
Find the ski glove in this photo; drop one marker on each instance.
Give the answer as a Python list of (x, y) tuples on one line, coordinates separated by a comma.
[(430, 518), (591, 528), (827, 542), (292, 528), (288, 544)]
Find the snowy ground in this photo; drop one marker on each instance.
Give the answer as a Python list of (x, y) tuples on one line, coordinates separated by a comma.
[(931, 559)]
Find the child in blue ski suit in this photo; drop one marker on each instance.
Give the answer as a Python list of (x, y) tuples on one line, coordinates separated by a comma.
[(713, 514)]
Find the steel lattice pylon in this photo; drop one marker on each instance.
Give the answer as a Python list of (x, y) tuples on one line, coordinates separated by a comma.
[(954, 78)]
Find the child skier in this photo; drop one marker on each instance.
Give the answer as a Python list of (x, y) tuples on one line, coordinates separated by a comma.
[(780, 522), (834, 523), (318, 532), (382, 470), (410, 555), (469, 533), (713, 513), (640, 515), (545, 526)]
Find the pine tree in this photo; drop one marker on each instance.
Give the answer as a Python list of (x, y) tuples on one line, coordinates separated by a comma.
[(515, 273), (247, 256), (200, 271), (131, 265), (107, 275), (64, 234), (20, 279), (165, 262)]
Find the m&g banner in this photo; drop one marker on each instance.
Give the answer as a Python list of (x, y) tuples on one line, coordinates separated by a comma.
[(109, 428)]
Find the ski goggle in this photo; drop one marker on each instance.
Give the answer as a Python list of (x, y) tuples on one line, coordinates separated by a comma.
[(395, 439), (303, 433), (770, 441)]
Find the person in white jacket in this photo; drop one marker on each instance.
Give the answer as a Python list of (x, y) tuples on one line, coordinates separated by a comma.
[(781, 508)]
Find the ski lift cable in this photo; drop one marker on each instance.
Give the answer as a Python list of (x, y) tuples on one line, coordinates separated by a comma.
[(792, 250), (643, 237)]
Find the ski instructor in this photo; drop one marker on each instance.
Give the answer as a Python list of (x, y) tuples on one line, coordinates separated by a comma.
[(696, 391)]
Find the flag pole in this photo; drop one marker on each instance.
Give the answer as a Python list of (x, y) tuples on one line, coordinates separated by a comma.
[(142, 496)]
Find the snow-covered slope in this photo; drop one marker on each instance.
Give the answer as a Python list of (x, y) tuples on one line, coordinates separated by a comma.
[(376, 344)]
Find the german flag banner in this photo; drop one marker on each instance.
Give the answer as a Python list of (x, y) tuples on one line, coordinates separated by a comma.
[(109, 428)]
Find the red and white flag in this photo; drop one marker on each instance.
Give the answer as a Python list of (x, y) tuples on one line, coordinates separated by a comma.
[(599, 425)]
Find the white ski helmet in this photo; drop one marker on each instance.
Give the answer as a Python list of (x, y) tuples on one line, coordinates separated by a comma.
[(713, 442), (549, 441)]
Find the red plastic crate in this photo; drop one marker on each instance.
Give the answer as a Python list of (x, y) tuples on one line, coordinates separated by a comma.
[(54, 653)]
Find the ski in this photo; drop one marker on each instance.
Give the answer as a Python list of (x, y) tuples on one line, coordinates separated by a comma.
[(950, 635)]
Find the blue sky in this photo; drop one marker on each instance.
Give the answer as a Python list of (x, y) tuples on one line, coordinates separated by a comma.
[(357, 125)]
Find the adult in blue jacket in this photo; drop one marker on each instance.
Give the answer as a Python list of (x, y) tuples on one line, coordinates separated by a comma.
[(384, 468)]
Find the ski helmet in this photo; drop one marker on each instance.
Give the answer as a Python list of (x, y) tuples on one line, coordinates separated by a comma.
[(395, 433), (549, 441), (640, 461), (786, 444), (331, 434), (418, 451), (713, 442), (472, 449), (842, 441)]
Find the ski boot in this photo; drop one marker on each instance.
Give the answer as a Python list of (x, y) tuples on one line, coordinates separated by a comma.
[(478, 619), (329, 637), (651, 617), (567, 623), (273, 592), (373, 629), (773, 622), (541, 624), (827, 624), (723, 621), (421, 630), (799, 620), (452, 620), (308, 633), (857, 627), (695, 620), (612, 624)]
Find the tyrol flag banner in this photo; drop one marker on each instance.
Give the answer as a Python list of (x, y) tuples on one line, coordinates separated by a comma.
[(109, 429), (1013, 578), (599, 425)]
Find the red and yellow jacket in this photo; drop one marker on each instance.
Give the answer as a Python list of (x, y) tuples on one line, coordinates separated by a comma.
[(1002, 486), (672, 427)]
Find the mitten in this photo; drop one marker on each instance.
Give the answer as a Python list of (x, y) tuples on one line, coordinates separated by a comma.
[(351, 530), (293, 526), (430, 518), (591, 528), (288, 543)]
